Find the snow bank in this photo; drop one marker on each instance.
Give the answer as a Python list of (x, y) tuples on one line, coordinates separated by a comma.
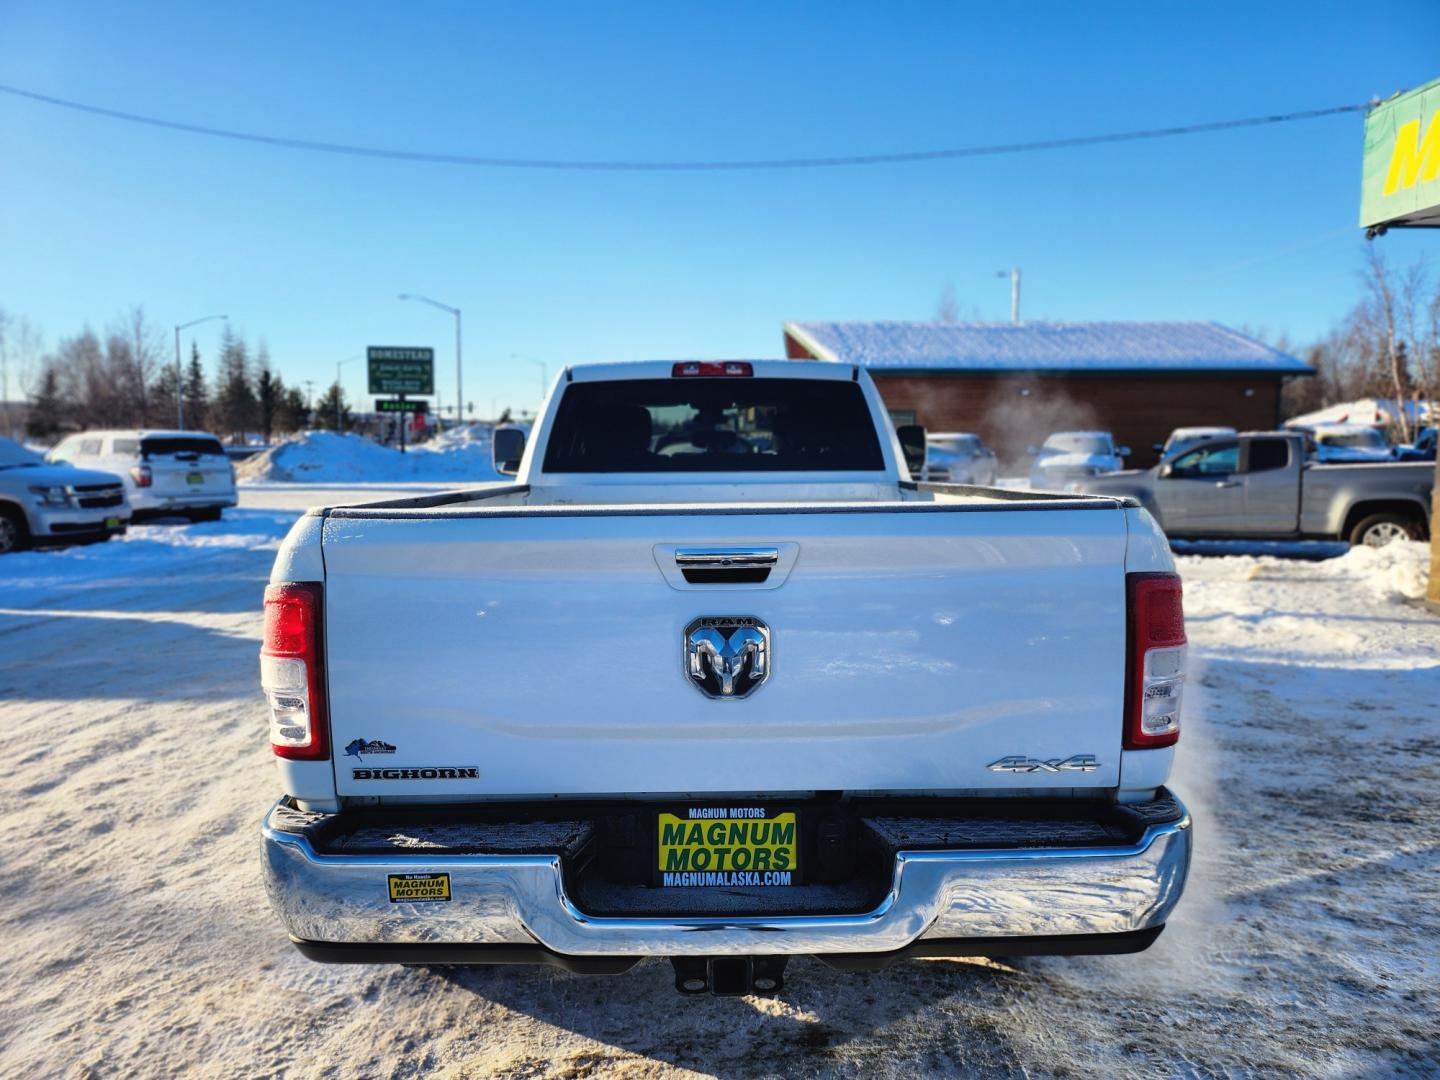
[(461, 455), (1398, 571)]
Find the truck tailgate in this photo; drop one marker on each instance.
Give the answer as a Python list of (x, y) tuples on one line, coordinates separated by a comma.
[(528, 652)]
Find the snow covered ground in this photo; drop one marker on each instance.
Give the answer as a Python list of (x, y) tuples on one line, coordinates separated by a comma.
[(137, 941)]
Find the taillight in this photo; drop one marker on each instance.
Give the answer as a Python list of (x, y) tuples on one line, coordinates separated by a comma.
[(292, 671), (712, 367), (1156, 633), (141, 475)]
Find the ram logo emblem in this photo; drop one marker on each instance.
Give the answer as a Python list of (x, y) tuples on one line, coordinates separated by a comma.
[(727, 657)]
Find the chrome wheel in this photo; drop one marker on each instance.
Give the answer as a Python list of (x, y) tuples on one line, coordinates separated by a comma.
[(1383, 532)]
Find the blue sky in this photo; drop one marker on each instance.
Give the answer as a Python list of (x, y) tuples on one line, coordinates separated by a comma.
[(1253, 228)]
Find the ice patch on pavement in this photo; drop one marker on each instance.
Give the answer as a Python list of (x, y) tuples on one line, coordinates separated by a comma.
[(144, 550), (140, 768)]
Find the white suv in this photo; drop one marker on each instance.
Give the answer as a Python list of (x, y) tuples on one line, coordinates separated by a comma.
[(164, 471), (55, 504), (1070, 456)]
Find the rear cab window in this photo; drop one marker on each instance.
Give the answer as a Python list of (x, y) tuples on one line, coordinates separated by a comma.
[(125, 447), (713, 425), (183, 446), (1265, 455)]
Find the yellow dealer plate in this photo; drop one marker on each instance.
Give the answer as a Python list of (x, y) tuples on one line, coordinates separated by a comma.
[(419, 888), (195, 478), (728, 846)]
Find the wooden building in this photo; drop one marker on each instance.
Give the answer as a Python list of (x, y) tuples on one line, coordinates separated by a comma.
[(1015, 384)]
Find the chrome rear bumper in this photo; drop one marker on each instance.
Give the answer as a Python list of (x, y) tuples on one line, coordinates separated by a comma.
[(522, 900)]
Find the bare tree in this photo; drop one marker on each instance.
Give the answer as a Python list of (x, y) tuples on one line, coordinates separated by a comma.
[(138, 349), (948, 310), (21, 348), (5, 419), (1385, 320), (83, 378)]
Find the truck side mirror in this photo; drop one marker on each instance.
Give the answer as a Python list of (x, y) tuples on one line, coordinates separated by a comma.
[(507, 446), (912, 442), (1124, 451)]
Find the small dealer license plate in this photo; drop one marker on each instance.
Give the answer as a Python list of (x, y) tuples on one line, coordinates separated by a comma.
[(195, 478), (112, 523), (419, 888), (728, 846)]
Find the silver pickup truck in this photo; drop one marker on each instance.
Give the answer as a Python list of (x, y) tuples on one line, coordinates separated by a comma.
[(1259, 485), (714, 679)]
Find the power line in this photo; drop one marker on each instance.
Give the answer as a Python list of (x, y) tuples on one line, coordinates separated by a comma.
[(568, 165)]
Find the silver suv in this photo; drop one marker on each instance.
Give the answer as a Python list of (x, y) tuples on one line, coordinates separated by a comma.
[(44, 503), (183, 472)]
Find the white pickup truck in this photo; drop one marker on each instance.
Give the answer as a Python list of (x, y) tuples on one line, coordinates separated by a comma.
[(714, 680)]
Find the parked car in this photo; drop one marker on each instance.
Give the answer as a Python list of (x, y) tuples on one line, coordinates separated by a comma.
[(1067, 456), (41, 503), (1183, 438), (1260, 485), (183, 472), (1422, 449), (1332, 443), (722, 707), (958, 457)]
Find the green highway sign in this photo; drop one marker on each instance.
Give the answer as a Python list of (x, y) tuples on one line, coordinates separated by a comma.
[(394, 405), (400, 370), (1400, 184)]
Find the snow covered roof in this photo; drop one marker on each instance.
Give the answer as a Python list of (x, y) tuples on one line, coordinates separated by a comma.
[(1375, 412), (1042, 346)]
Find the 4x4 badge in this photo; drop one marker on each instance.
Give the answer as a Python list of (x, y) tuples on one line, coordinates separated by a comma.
[(1074, 763)]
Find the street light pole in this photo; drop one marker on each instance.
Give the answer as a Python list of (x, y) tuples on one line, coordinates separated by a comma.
[(1014, 275), (179, 391), (459, 372)]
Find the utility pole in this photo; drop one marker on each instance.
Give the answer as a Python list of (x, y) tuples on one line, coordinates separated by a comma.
[(180, 375), (1432, 595), (1014, 275)]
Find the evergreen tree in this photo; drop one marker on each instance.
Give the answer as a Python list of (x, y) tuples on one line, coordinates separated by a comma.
[(46, 407), (197, 395), (162, 396), (331, 405), (235, 411), (269, 391), (291, 412)]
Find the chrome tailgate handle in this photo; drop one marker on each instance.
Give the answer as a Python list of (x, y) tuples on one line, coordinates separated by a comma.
[(727, 558)]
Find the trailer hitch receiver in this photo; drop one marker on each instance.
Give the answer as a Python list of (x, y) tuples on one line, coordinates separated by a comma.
[(730, 976)]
